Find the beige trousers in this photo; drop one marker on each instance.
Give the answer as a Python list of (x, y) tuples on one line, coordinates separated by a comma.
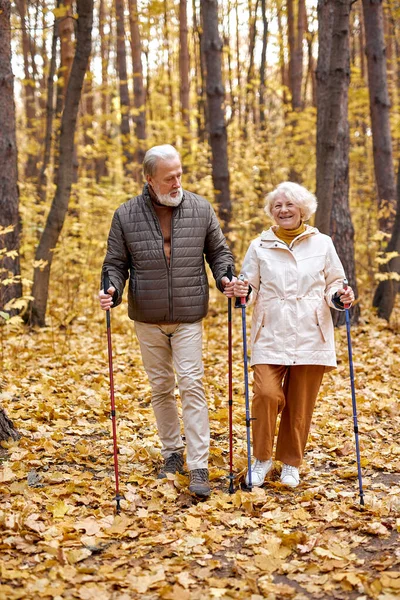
[(294, 399), (179, 346)]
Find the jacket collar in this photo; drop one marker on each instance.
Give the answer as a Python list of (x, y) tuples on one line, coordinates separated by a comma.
[(268, 235), (150, 197)]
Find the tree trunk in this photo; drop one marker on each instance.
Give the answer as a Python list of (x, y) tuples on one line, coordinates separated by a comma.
[(215, 97), (9, 197), (282, 62), (340, 227), (101, 158), (380, 110), (332, 82), (66, 32), (361, 46), (263, 63), (66, 35), (239, 68), (201, 118), (296, 52), (295, 72), (42, 180), (297, 101), (311, 66), (139, 92), (184, 64), (342, 230), (7, 429), (87, 121), (227, 52), (45, 67), (395, 31), (250, 70), (29, 92), (59, 207), (123, 89), (167, 47), (385, 293)]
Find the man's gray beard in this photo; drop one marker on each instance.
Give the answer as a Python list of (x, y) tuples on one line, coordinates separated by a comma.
[(168, 200)]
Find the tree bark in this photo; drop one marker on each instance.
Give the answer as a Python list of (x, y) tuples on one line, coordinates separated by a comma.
[(101, 158), (167, 47), (342, 230), (296, 52), (250, 71), (184, 64), (139, 92), (9, 196), (311, 66), (7, 429), (332, 82), (227, 52), (123, 89), (263, 63), (395, 32), (201, 117), (239, 68), (385, 293), (59, 207), (42, 179), (380, 110), (340, 227), (282, 62), (29, 92), (87, 121), (215, 96), (66, 31)]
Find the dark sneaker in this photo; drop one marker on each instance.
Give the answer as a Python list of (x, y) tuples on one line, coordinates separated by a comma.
[(173, 464), (199, 483)]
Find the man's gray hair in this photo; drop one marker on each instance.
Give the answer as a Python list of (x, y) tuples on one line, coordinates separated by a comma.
[(298, 194), (155, 154)]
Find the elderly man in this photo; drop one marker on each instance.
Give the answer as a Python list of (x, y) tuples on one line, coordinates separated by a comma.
[(159, 240)]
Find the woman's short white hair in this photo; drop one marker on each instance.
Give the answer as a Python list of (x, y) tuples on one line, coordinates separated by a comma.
[(155, 154), (298, 194)]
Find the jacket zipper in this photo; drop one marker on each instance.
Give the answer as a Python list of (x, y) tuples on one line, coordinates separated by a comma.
[(168, 266), (170, 293)]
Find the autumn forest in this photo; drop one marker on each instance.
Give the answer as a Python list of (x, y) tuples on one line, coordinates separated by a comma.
[(251, 93)]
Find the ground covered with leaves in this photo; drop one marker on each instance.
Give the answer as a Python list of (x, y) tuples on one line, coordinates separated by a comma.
[(60, 536)]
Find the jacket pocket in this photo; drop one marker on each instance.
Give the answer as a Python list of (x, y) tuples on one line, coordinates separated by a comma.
[(257, 328), (132, 282), (323, 317)]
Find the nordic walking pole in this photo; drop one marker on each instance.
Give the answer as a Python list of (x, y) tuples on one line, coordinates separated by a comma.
[(231, 490), (353, 396), (118, 498), (246, 385)]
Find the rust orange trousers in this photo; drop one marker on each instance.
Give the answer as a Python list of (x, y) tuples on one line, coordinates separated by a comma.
[(291, 391)]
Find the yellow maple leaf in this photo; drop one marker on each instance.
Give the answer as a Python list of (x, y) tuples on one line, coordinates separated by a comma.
[(60, 509)]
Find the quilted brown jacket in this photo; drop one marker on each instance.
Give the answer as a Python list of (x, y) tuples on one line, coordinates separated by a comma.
[(160, 292)]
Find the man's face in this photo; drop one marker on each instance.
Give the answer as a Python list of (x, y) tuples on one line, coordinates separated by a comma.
[(166, 182)]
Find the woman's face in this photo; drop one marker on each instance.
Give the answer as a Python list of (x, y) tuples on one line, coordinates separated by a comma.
[(286, 214)]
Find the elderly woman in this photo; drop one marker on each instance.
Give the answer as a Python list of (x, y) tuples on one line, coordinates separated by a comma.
[(293, 275)]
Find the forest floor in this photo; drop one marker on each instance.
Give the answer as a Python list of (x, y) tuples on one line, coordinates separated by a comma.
[(60, 537)]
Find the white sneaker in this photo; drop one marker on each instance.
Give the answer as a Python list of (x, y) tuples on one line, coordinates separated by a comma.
[(259, 471), (290, 476)]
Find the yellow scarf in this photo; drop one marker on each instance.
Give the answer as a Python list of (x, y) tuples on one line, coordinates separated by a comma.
[(288, 235)]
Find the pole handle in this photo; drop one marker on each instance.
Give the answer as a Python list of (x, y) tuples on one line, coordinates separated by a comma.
[(345, 285), (106, 281), (229, 272), (242, 300)]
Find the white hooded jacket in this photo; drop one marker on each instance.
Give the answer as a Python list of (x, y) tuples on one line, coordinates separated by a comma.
[(292, 289)]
